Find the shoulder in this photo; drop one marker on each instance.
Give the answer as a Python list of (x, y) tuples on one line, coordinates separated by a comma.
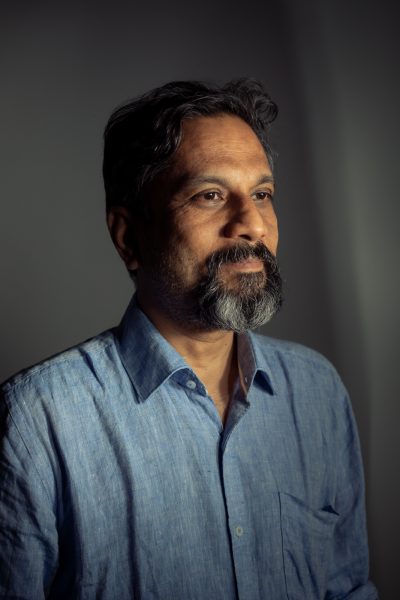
[(60, 402), (82, 365)]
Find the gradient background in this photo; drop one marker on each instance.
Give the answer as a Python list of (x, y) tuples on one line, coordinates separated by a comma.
[(333, 69)]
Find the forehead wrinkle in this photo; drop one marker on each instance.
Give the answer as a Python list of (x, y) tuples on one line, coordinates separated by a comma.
[(208, 151), (220, 152), (217, 143)]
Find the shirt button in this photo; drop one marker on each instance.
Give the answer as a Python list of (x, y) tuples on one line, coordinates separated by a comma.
[(191, 384), (239, 531)]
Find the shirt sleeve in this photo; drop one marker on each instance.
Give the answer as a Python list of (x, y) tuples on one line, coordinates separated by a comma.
[(28, 534), (350, 560)]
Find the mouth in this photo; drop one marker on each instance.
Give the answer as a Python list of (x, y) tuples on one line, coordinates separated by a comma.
[(247, 265)]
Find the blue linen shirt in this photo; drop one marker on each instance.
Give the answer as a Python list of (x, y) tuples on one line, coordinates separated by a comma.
[(119, 481)]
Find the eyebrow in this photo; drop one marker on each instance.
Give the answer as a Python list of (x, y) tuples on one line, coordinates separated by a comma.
[(186, 179)]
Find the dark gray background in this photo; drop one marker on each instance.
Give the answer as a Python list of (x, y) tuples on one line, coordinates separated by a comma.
[(333, 69)]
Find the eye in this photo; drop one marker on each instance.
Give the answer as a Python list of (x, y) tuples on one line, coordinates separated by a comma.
[(208, 198), (211, 196), (264, 195)]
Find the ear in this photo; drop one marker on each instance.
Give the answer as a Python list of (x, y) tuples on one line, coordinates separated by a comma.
[(120, 226)]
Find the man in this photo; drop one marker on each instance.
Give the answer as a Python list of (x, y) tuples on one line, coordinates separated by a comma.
[(178, 455)]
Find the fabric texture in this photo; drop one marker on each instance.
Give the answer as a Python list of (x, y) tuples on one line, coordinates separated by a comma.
[(118, 480)]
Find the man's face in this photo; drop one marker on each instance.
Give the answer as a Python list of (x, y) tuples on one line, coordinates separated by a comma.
[(212, 221)]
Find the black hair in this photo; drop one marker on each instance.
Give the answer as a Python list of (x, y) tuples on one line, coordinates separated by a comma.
[(142, 135)]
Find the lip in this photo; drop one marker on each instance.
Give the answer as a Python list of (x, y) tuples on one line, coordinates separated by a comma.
[(246, 265)]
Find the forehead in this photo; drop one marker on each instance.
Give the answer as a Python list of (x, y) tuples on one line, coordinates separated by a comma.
[(208, 141)]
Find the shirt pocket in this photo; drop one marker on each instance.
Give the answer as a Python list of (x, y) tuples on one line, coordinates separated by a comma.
[(307, 539)]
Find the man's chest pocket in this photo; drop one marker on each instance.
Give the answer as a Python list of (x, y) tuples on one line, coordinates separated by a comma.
[(307, 538)]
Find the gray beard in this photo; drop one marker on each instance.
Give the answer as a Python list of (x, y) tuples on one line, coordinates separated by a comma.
[(254, 300), (238, 310), (209, 305)]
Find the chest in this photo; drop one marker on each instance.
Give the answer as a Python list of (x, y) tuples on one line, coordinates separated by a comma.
[(168, 491)]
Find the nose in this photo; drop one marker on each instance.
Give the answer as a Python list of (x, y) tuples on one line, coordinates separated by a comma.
[(249, 222)]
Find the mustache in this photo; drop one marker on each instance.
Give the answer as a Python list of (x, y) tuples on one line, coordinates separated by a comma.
[(242, 252)]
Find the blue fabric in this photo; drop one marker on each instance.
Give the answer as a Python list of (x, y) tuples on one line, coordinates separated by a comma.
[(119, 481)]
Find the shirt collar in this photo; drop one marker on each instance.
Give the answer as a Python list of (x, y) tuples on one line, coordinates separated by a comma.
[(150, 360), (253, 364), (146, 355)]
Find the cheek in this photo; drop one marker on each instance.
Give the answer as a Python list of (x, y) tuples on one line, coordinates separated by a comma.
[(272, 232), (179, 252), (197, 236), (190, 253), (274, 241)]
